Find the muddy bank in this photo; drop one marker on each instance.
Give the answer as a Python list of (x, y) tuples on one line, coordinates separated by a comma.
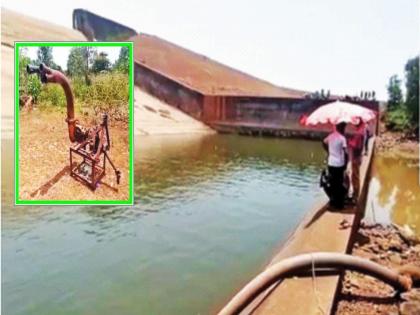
[(397, 144), (393, 247)]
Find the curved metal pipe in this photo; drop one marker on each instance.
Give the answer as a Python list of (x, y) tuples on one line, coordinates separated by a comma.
[(49, 75), (305, 262)]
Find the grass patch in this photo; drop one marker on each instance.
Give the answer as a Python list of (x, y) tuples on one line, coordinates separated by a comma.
[(107, 92)]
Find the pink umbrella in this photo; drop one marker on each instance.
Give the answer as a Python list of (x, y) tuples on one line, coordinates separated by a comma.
[(337, 112)]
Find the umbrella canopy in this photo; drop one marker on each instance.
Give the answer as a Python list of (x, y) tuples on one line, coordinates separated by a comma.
[(338, 112)]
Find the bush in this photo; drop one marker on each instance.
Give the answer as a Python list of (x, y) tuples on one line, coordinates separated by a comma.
[(52, 95), (29, 85), (109, 93), (33, 87), (110, 87), (80, 89), (398, 119)]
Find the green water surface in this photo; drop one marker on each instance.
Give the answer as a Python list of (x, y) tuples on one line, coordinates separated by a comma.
[(394, 192), (208, 215)]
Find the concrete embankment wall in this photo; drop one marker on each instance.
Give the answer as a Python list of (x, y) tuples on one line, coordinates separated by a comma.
[(319, 230), (169, 92), (19, 27), (237, 114), (152, 116), (155, 117)]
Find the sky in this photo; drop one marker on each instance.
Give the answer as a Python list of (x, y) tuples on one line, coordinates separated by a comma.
[(341, 46), (61, 54)]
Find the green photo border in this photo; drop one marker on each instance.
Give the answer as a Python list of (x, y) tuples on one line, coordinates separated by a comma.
[(130, 200)]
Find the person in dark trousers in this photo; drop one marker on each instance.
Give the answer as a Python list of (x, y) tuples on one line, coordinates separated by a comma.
[(336, 146), (367, 136)]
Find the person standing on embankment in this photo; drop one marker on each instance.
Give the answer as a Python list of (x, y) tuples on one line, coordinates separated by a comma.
[(367, 136), (356, 144), (336, 146)]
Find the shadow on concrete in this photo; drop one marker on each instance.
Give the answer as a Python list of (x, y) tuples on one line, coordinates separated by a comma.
[(327, 208)]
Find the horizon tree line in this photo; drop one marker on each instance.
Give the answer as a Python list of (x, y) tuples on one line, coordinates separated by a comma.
[(82, 61)]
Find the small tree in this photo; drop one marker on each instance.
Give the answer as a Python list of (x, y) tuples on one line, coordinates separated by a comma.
[(101, 63), (80, 62), (395, 99), (76, 65), (396, 116), (29, 85), (122, 63), (44, 55), (412, 87)]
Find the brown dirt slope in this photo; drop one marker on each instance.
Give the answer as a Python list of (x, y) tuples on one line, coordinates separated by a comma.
[(19, 27), (200, 73)]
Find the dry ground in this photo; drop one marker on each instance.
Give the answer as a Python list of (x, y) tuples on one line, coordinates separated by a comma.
[(365, 295), (44, 171)]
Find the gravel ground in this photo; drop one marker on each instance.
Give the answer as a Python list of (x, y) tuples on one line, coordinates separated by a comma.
[(391, 246), (44, 160)]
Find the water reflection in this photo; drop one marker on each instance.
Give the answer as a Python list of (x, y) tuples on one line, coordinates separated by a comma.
[(212, 162), (395, 192), (208, 212)]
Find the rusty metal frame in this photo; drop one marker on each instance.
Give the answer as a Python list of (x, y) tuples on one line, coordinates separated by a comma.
[(97, 171)]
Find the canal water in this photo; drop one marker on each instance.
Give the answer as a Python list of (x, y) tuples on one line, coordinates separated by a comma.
[(208, 215), (394, 192)]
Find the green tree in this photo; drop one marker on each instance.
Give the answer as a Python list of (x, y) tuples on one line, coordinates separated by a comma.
[(122, 63), (76, 65), (395, 98), (23, 62), (397, 117), (101, 63), (80, 61), (89, 55), (44, 55), (29, 85), (412, 90)]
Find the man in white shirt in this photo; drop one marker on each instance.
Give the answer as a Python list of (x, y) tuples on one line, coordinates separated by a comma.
[(336, 146)]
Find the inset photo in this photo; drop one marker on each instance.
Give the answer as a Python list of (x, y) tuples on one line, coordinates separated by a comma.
[(74, 123)]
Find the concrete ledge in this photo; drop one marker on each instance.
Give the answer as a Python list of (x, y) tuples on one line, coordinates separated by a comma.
[(318, 231), (264, 129)]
